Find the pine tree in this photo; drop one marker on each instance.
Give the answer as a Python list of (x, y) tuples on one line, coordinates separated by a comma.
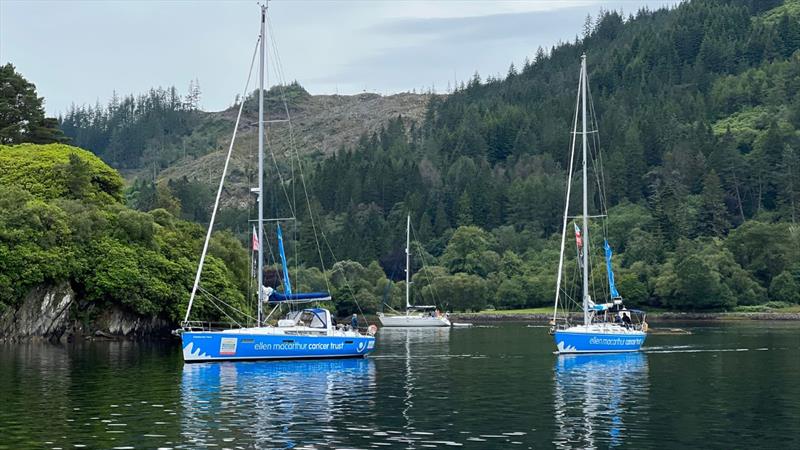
[(714, 215), (464, 209), (22, 112), (440, 221), (790, 179), (512, 72), (588, 26)]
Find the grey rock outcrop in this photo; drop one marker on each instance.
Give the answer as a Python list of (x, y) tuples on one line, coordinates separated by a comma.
[(53, 313), (43, 314)]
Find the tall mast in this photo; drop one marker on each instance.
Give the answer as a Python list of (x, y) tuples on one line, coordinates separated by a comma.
[(408, 265), (585, 199), (566, 204), (262, 63)]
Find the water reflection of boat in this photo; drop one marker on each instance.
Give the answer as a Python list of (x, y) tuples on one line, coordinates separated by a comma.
[(595, 395), (414, 346), (276, 404)]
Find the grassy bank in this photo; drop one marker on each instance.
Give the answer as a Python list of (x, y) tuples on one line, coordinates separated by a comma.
[(544, 315)]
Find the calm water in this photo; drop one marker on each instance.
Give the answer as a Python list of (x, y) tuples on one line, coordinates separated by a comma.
[(725, 386)]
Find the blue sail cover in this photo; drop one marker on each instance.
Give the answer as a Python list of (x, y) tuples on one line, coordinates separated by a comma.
[(287, 284), (299, 297), (611, 286)]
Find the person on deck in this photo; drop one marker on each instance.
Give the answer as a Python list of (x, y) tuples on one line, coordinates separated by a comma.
[(354, 322), (626, 318)]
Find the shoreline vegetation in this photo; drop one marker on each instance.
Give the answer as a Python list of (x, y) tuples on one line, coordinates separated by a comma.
[(543, 315)]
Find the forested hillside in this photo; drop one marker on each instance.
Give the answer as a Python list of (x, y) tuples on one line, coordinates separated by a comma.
[(698, 110), (173, 152)]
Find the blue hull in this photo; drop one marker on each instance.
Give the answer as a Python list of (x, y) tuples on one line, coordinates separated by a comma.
[(224, 346), (570, 342)]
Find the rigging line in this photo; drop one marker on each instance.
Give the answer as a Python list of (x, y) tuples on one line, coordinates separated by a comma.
[(566, 205), (206, 292), (219, 189), (308, 205), (272, 253), (282, 83), (275, 163), (269, 142), (344, 275), (389, 306), (280, 177), (421, 251), (250, 162), (293, 149), (427, 273), (596, 139), (211, 300), (311, 214)]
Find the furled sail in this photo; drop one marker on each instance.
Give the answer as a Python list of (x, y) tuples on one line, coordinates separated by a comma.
[(611, 286), (288, 296), (287, 284)]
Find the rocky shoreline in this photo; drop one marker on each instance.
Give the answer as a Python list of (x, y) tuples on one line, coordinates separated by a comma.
[(52, 313)]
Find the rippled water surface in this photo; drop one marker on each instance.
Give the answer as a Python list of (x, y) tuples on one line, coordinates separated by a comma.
[(725, 386)]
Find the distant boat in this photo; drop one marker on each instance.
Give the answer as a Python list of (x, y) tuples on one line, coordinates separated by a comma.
[(302, 334), (607, 326), (415, 315)]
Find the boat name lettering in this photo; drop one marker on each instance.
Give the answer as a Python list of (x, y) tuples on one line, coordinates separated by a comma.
[(299, 346), (616, 341)]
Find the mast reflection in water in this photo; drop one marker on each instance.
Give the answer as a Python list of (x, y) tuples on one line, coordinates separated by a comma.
[(595, 395), (275, 404)]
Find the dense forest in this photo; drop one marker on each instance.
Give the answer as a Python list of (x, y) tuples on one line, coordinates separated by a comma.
[(699, 112), (698, 109)]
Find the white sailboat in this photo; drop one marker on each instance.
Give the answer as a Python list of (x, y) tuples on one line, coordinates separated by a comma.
[(415, 315), (301, 334), (607, 326)]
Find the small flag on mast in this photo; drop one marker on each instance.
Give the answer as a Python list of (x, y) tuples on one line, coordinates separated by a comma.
[(255, 239), (578, 238)]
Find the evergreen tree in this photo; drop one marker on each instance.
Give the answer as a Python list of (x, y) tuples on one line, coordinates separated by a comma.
[(464, 209), (714, 215), (22, 112), (790, 178)]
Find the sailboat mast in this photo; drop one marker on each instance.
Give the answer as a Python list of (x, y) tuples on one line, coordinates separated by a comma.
[(408, 265), (585, 199), (262, 63), (566, 204)]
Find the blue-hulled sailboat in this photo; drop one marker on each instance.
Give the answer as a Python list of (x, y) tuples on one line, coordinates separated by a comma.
[(303, 333), (607, 326)]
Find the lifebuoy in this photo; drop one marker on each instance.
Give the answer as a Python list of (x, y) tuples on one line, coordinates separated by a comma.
[(372, 329)]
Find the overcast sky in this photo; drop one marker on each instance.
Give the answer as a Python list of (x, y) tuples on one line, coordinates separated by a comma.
[(81, 51)]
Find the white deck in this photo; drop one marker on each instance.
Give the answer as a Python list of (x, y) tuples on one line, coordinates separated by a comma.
[(603, 328), (289, 331)]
